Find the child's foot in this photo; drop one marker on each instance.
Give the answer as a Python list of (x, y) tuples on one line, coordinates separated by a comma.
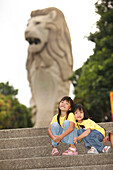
[(93, 150), (70, 151), (106, 149), (55, 152)]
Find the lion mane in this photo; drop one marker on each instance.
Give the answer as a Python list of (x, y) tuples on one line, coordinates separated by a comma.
[(50, 62)]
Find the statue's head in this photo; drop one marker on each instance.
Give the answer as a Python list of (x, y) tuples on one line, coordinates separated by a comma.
[(37, 32), (42, 25), (47, 29)]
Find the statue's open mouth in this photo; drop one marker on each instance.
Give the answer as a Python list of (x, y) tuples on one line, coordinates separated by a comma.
[(33, 41)]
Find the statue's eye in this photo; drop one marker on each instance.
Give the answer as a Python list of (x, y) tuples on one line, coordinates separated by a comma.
[(37, 23)]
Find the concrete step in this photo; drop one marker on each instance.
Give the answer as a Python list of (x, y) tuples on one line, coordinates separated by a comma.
[(57, 161), (107, 125), (94, 167), (23, 132), (25, 142), (40, 151), (30, 132), (30, 148)]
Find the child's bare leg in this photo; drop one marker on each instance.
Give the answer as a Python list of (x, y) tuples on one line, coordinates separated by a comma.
[(72, 146), (53, 147)]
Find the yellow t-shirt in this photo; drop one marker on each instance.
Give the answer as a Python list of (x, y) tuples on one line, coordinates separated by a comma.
[(71, 118), (92, 125)]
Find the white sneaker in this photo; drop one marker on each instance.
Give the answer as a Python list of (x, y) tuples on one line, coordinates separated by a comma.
[(93, 150), (106, 149)]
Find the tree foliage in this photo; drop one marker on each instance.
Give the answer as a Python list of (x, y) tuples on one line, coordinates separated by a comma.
[(6, 89), (94, 80), (12, 113)]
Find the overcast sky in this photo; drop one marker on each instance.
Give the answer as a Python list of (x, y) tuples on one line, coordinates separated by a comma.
[(14, 14)]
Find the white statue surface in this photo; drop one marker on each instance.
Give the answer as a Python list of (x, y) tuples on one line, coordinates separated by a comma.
[(49, 63)]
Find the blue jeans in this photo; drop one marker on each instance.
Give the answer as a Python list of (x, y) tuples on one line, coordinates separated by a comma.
[(57, 130), (93, 139)]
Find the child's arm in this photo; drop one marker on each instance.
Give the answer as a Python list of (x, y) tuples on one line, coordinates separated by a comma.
[(65, 133), (50, 133), (106, 139), (84, 134)]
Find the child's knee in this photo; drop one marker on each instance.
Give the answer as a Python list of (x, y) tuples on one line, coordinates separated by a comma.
[(55, 125), (66, 124)]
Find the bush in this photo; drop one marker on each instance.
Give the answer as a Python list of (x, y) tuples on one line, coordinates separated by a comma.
[(12, 113)]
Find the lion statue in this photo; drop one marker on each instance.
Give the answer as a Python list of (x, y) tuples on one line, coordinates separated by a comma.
[(49, 64)]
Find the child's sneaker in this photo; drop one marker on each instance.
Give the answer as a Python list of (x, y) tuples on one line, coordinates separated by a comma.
[(55, 152), (93, 150), (106, 149)]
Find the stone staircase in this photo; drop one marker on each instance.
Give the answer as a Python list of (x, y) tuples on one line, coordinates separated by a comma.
[(30, 148)]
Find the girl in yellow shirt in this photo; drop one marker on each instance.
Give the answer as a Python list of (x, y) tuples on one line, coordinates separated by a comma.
[(90, 132), (62, 127)]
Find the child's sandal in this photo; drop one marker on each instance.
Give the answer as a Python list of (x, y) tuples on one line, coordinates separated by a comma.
[(55, 152), (70, 151)]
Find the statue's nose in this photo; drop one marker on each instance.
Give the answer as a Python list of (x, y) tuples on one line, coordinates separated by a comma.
[(26, 33)]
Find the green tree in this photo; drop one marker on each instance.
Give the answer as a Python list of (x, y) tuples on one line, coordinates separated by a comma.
[(6, 89), (94, 80), (12, 113)]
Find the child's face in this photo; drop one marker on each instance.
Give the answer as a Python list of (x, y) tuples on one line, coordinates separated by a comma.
[(79, 115), (64, 105)]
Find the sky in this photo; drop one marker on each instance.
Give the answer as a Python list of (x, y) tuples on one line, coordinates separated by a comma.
[(14, 14)]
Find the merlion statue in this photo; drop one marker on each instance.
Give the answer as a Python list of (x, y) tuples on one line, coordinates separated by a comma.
[(49, 63)]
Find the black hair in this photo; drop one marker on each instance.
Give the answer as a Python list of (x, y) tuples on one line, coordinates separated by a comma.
[(68, 99), (81, 107)]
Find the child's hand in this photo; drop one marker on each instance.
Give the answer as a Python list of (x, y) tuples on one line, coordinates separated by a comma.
[(57, 139), (75, 140), (106, 139)]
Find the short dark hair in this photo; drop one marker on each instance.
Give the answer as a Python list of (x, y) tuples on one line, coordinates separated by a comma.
[(81, 107)]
